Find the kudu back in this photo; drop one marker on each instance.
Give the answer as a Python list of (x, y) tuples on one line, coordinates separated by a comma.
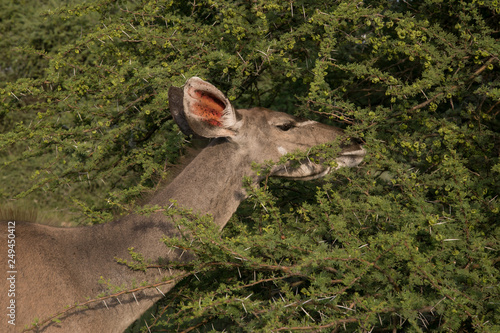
[(49, 268)]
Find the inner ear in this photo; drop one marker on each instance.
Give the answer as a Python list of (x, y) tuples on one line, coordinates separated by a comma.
[(208, 107), (208, 111)]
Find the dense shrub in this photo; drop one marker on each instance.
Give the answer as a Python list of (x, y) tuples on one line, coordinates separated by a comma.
[(409, 241)]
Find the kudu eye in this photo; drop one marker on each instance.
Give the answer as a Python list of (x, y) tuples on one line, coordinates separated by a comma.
[(285, 127)]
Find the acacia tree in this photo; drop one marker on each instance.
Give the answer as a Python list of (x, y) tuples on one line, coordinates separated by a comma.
[(409, 241)]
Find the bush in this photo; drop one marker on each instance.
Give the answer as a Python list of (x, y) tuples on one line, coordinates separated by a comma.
[(409, 241)]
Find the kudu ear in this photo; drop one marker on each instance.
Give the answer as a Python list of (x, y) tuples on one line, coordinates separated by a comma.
[(207, 111), (176, 103)]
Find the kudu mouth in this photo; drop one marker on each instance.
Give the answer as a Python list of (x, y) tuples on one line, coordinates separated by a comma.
[(351, 156), (306, 171)]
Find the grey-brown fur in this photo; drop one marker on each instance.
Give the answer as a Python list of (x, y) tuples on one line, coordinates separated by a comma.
[(57, 267)]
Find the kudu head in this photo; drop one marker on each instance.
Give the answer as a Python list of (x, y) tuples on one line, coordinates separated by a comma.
[(258, 134)]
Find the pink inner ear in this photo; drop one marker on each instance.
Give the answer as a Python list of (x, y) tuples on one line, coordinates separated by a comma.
[(208, 107)]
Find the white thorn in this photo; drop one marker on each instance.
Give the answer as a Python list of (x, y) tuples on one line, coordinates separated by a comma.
[(135, 299), (147, 326), (161, 292)]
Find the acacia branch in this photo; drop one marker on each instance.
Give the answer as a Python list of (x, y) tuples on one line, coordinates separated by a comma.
[(319, 327), (36, 326)]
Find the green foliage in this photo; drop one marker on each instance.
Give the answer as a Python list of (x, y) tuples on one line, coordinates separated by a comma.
[(409, 241)]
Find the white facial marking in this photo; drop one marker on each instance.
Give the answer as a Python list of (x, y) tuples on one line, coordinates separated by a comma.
[(359, 152), (306, 123), (282, 150)]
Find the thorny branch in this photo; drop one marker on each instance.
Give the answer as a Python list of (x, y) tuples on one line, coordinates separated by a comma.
[(36, 326)]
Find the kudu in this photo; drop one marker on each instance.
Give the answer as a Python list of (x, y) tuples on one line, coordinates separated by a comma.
[(57, 267)]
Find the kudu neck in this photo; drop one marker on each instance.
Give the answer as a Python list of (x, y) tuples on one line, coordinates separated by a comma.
[(211, 184)]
